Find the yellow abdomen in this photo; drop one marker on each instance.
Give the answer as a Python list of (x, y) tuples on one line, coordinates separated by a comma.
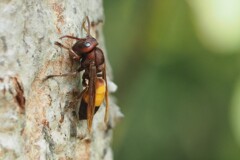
[(99, 94)]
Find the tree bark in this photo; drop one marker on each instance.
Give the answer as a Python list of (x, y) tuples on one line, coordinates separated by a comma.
[(39, 118)]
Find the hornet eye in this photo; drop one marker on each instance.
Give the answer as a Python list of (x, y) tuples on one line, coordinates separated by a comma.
[(86, 44)]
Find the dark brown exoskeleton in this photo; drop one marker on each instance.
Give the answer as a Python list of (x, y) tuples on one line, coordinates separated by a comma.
[(92, 62)]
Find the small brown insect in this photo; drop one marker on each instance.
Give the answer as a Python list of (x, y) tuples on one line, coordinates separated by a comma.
[(92, 62)]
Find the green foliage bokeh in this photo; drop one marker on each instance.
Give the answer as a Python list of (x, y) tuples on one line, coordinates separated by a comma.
[(176, 94)]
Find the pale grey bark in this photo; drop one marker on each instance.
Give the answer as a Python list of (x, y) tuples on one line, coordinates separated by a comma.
[(39, 118)]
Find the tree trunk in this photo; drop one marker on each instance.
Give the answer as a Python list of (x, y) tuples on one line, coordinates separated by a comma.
[(39, 118)]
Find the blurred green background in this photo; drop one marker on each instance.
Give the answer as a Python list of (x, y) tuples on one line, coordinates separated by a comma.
[(177, 66)]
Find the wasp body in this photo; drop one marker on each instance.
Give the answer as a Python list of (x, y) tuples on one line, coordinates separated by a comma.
[(94, 81)]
